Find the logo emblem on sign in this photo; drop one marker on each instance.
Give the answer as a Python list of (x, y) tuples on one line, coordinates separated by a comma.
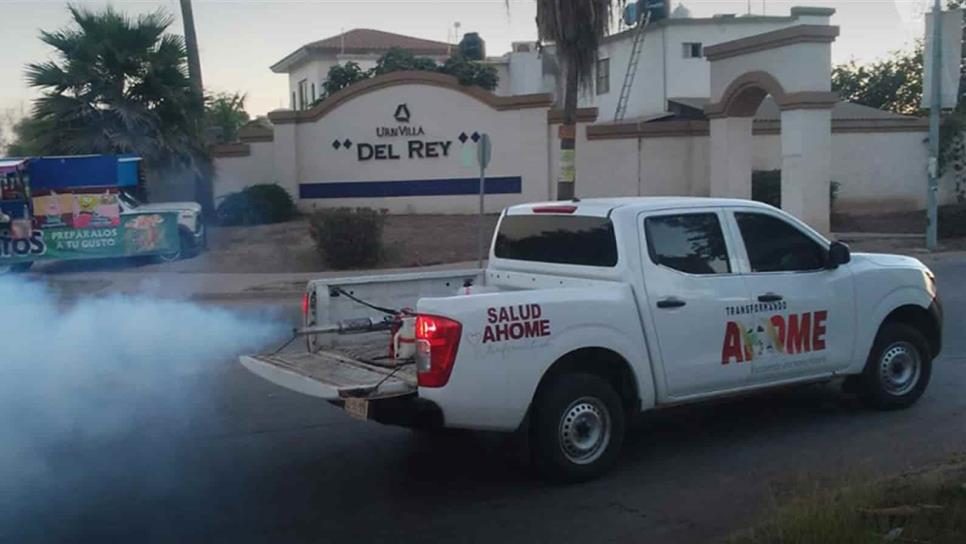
[(402, 113)]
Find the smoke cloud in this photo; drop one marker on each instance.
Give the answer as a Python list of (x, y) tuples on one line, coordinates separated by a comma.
[(95, 371)]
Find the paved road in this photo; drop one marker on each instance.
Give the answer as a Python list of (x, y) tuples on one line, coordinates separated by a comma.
[(217, 455)]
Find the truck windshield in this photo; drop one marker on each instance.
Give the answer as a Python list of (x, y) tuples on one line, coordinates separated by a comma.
[(562, 239)]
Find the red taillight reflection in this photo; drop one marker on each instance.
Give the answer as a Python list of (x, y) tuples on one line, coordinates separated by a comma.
[(305, 304), (437, 341)]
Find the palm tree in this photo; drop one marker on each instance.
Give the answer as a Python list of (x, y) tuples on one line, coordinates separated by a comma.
[(575, 27), (120, 85)]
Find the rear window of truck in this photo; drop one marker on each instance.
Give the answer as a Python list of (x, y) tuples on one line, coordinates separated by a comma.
[(560, 239)]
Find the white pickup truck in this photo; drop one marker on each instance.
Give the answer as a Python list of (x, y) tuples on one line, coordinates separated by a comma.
[(593, 311)]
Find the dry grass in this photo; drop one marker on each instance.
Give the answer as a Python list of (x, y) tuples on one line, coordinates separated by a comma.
[(928, 506)]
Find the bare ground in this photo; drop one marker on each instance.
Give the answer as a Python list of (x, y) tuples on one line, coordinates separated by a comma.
[(408, 240), (423, 240)]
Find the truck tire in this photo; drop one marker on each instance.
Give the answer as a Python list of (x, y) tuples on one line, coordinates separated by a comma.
[(898, 369), (186, 249), (577, 428)]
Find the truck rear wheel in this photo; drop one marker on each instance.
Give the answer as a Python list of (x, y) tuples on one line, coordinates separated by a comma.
[(898, 369), (577, 427)]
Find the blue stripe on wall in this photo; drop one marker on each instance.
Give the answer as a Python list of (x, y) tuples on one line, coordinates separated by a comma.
[(410, 187)]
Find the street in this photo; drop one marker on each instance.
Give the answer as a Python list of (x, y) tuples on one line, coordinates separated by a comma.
[(216, 454)]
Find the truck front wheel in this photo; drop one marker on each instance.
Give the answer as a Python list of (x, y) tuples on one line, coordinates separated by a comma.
[(577, 427), (898, 368)]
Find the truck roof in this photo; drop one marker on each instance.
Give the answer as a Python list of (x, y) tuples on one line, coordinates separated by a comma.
[(604, 206)]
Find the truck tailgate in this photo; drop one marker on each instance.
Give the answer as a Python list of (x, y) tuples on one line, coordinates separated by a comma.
[(333, 376)]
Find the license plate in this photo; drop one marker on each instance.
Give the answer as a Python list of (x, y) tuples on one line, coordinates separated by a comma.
[(357, 408)]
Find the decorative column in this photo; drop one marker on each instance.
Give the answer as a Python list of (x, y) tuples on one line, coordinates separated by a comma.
[(730, 157), (806, 137)]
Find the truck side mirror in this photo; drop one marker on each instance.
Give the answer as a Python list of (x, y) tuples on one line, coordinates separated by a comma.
[(838, 254)]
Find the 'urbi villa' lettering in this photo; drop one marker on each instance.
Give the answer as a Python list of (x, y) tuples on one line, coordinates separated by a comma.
[(401, 130)]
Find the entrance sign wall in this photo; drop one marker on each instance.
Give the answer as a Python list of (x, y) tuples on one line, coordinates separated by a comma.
[(392, 141)]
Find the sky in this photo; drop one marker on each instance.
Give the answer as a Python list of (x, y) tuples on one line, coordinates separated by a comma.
[(240, 39)]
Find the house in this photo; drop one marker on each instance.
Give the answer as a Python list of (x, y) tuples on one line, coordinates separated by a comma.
[(713, 99), (308, 66)]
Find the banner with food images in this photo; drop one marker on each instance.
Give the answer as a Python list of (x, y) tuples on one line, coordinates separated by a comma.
[(134, 234)]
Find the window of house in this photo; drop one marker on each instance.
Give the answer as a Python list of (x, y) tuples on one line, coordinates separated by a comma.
[(774, 245), (692, 243), (303, 93), (603, 76), (693, 50)]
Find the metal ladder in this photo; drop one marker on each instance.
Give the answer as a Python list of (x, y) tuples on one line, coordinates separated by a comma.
[(632, 67)]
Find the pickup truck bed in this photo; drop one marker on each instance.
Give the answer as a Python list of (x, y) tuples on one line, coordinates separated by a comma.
[(360, 368)]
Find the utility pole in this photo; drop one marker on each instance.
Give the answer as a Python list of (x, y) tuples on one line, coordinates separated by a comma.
[(935, 107), (191, 44)]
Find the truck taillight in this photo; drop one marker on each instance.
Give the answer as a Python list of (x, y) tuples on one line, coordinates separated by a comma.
[(437, 340), (305, 305)]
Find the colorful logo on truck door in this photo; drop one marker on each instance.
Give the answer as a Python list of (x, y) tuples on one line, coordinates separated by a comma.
[(779, 334), (514, 323)]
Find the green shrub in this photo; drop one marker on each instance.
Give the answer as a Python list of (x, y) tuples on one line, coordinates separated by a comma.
[(766, 186), (256, 205), (348, 237)]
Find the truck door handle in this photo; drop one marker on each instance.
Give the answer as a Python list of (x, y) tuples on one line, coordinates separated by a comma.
[(770, 297), (670, 302)]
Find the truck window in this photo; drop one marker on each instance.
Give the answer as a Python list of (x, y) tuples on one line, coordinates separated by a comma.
[(561, 239), (774, 245), (690, 243)]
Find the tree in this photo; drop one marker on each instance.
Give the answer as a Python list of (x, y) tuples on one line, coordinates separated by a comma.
[(119, 85), (470, 72), (226, 112), (191, 46), (28, 137), (397, 59), (576, 27), (892, 84), (341, 76)]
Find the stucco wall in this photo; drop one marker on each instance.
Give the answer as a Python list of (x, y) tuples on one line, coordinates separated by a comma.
[(519, 148), (877, 170), (232, 174)]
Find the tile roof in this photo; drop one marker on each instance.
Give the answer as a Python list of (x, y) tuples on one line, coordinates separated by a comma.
[(365, 40)]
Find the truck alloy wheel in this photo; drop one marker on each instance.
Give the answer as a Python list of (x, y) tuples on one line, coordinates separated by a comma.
[(577, 427), (898, 368)]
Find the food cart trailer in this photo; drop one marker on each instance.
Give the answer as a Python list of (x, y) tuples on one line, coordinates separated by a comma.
[(57, 208)]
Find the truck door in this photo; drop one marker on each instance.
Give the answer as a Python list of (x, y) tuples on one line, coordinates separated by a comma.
[(803, 316), (692, 287)]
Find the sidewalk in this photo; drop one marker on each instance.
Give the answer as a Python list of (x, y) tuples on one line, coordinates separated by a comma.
[(205, 286)]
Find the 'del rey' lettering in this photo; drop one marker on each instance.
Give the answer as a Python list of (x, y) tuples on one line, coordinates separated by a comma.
[(790, 335), (515, 322)]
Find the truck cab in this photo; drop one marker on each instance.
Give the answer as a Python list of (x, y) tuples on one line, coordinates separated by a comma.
[(592, 311)]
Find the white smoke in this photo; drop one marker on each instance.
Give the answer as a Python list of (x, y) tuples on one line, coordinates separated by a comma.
[(90, 369)]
